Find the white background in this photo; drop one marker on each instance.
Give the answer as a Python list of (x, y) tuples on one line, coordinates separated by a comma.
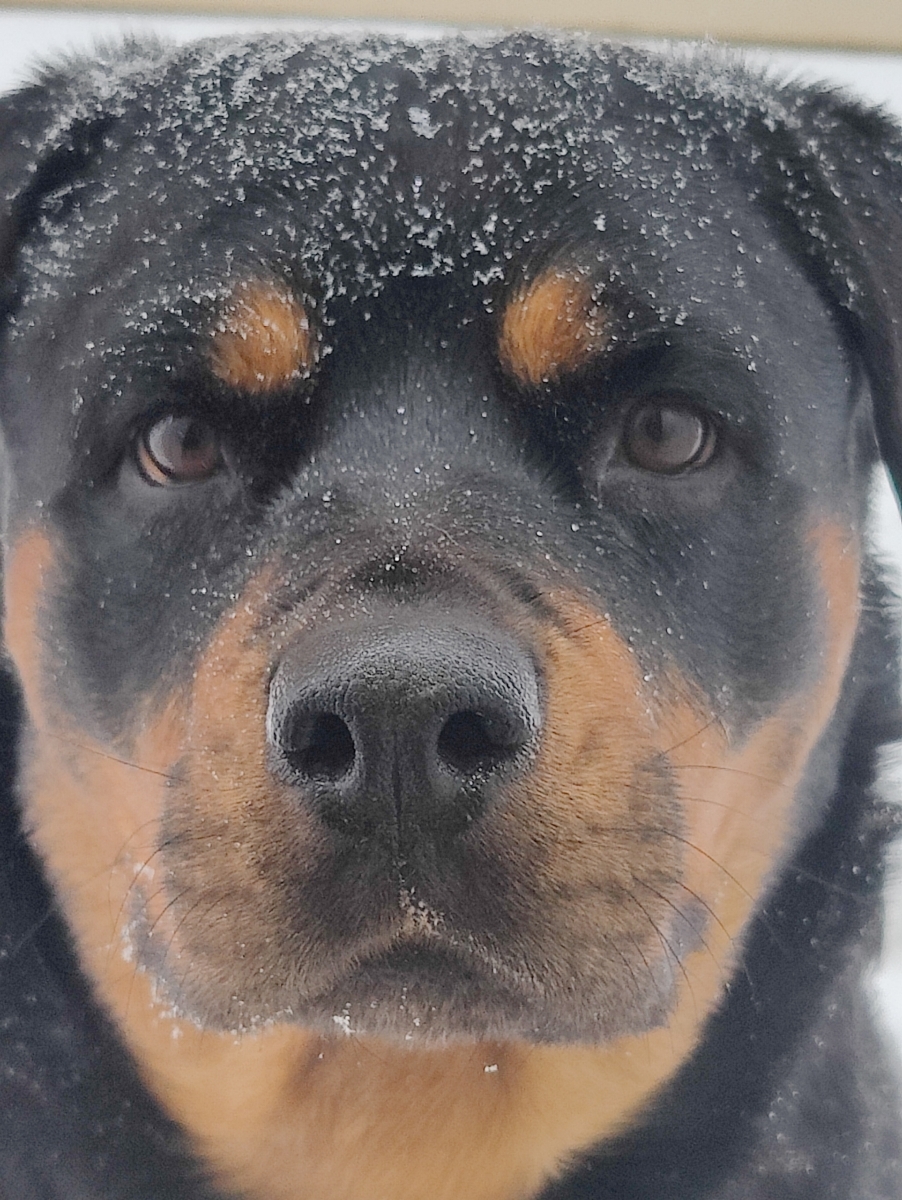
[(27, 38)]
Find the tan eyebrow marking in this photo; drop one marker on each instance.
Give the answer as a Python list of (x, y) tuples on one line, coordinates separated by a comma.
[(552, 326), (264, 339)]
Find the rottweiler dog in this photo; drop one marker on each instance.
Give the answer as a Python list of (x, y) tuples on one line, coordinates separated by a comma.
[(448, 671)]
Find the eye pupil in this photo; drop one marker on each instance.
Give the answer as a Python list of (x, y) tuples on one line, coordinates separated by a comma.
[(669, 437), (179, 449)]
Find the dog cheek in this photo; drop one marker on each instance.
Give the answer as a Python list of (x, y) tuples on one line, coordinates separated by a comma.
[(656, 832), (92, 811), (595, 830), (741, 799)]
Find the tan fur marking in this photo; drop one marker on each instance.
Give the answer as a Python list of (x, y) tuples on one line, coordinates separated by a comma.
[(285, 1115), (264, 340), (550, 327), (24, 579)]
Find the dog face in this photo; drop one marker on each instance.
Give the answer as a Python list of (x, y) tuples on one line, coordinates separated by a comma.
[(433, 544)]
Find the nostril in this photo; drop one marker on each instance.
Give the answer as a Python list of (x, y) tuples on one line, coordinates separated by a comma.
[(471, 741), (319, 745), (406, 725)]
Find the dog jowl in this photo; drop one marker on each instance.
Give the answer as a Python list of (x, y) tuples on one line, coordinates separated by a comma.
[(453, 671)]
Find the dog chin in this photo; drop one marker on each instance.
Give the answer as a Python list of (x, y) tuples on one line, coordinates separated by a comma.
[(420, 995)]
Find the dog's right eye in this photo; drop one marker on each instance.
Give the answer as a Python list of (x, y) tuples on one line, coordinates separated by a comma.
[(178, 450)]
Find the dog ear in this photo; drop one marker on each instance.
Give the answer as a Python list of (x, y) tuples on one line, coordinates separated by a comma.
[(833, 173), (867, 176), (46, 147)]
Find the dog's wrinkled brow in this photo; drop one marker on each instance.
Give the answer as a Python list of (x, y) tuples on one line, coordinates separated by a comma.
[(263, 339), (552, 326)]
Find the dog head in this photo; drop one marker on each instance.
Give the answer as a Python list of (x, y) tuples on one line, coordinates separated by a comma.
[(435, 486)]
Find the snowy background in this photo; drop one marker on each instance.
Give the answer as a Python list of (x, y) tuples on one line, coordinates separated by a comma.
[(26, 38)]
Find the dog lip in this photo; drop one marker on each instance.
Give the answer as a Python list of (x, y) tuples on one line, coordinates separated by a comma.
[(417, 957), (422, 984), (422, 952)]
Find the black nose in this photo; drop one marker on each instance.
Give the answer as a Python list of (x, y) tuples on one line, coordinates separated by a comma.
[(408, 722)]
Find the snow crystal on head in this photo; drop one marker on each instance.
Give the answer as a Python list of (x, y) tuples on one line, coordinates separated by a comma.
[(197, 112), (350, 153)]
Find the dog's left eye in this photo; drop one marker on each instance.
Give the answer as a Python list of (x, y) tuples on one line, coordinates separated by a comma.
[(668, 435), (179, 449)]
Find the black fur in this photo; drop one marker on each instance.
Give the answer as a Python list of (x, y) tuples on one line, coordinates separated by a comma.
[(791, 1094)]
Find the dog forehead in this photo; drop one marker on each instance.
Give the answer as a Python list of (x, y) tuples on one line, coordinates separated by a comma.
[(373, 162), (413, 157)]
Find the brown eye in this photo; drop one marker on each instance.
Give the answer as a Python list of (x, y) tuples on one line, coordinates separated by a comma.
[(668, 437), (179, 449)]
